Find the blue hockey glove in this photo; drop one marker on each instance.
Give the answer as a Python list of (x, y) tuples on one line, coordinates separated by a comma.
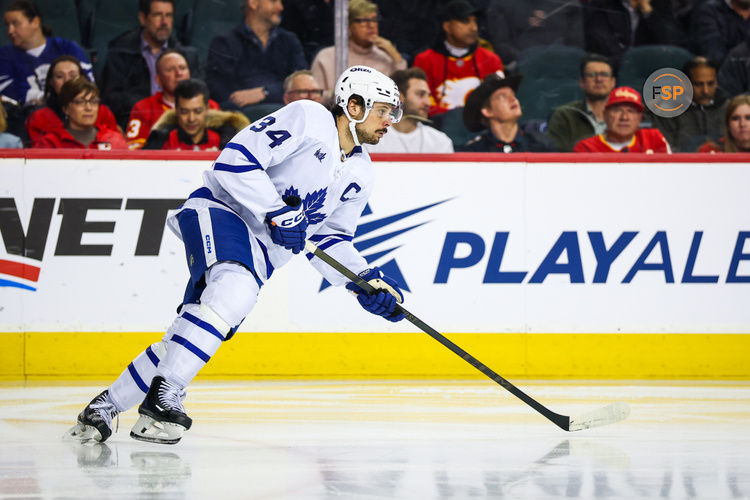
[(383, 303), (288, 224)]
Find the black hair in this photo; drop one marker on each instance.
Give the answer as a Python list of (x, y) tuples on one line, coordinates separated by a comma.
[(30, 11), (339, 111), (697, 62), (144, 6), (190, 88), (589, 58)]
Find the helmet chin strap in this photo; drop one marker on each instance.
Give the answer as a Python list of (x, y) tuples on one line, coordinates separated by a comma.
[(353, 130)]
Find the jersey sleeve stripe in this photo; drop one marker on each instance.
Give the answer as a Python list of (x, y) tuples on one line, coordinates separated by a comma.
[(237, 169), (242, 149)]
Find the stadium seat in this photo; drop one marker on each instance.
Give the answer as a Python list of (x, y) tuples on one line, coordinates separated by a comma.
[(211, 18), (60, 15), (540, 97), (452, 124), (639, 62), (559, 62), (109, 20)]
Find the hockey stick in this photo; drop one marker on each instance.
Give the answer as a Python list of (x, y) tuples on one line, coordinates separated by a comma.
[(603, 416)]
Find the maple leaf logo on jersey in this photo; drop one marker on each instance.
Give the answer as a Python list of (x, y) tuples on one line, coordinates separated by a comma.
[(312, 203), (319, 155)]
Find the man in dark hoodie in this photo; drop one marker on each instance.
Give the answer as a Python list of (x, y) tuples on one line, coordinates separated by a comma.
[(455, 65), (130, 71)]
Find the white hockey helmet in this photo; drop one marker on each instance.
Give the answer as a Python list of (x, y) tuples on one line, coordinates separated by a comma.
[(370, 84)]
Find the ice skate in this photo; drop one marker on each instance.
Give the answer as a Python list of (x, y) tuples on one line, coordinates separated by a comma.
[(162, 416), (95, 421)]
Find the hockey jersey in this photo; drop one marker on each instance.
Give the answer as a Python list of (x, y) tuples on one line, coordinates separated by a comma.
[(22, 75), (145, 114), (645, 140), (293, 151), (452, 78)]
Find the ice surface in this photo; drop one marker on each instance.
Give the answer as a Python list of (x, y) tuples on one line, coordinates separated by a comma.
[(389, 439)]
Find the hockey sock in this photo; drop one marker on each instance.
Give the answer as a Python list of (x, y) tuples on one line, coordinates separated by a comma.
[(231, 292), (132, 385)]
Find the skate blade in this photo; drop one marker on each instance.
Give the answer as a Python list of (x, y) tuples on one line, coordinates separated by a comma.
[(152, 431), (82, 433)]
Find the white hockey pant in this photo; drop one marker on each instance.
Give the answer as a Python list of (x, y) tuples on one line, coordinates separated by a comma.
[(196, 333)]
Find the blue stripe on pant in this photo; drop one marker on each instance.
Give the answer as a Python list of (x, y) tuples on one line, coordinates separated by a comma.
[(191, 347)]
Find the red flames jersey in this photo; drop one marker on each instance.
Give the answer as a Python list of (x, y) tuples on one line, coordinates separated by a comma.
[(451, 78), (178, 141), (645, 140)]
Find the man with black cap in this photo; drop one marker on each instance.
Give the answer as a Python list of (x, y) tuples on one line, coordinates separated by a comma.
[(455, 64), (493, 107)]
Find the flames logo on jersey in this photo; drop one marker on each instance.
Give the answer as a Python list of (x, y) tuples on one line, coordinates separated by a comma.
[(312, 203)]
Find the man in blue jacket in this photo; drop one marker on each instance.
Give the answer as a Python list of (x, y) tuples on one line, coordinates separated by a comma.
[(247, 66)]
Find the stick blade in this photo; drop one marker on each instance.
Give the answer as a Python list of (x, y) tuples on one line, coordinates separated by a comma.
[(610, 414)]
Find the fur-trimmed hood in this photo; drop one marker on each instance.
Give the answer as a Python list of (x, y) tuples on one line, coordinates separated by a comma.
[(216, 119)]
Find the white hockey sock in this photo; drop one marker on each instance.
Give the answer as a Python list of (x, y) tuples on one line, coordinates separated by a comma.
[(192, 339), (132, 385), (231, 293)]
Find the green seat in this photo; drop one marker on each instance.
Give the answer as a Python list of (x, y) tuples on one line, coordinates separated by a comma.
[(639, 62), (558, 62), (540, 97), (60, 15), (211, 18), (452, 124), (110, 19)]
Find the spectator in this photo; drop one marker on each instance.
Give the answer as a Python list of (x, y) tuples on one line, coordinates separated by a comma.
[(576, 120), (717, 26), (366, 48), (623, 114), (43, 120), (7, 141), (411, 134), (702, 121), (312, 22), (192, 125), (79, 100), (130, 70), (734, 78), (248, 65), (171, 69), (516, 26), (493, 109), (613, 26), (736, 128), (455, 64), (302, 85), (25, 61)]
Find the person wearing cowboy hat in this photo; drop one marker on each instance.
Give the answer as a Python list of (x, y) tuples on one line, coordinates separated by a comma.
[(493, 109), (623, 114)]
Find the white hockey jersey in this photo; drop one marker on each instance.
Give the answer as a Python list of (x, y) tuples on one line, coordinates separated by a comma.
[(294, 151)]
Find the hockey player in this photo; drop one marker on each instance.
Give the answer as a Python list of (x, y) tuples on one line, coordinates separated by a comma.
[(299, 173)]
